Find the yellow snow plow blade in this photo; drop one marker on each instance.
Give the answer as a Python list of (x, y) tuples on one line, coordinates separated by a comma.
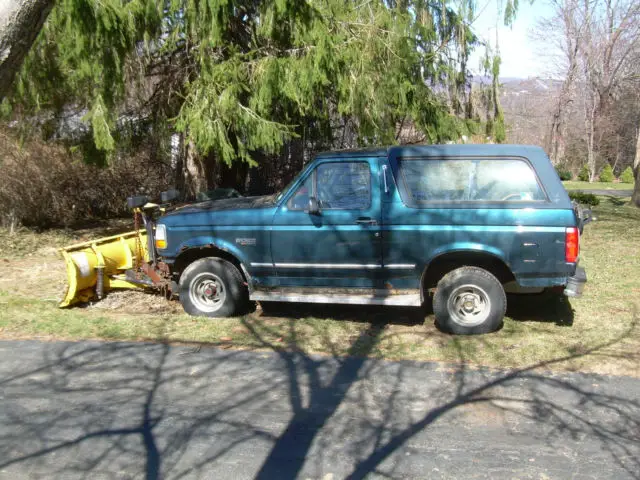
[(109, 257)]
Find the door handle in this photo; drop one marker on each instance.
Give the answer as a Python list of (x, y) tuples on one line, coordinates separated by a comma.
[(366, 221), (384, 178)]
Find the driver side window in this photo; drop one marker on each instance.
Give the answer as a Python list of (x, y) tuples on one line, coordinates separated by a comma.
[(336, 186), (344, 185)]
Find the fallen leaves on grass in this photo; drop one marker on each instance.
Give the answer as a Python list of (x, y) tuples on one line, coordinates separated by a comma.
[(136, 301)]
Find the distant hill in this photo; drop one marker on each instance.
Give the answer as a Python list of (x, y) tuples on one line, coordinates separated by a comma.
[(530, 85)]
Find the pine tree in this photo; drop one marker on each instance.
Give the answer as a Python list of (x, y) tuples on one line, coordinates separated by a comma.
[(237, 77), (627, 175), (606, 175)]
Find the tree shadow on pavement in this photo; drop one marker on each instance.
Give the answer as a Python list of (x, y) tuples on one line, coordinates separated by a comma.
[(93, 409), (557, 407), (102, 408)]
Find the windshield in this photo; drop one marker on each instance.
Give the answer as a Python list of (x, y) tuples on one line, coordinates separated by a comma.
[(217, 194), (293, 180)]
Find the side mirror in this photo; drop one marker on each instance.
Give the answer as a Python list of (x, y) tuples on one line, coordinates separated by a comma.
[(169, 196), (314, 206), (138, 201)]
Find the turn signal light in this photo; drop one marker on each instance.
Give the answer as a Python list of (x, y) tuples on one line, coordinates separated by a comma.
[(571, 245), (161, 236)]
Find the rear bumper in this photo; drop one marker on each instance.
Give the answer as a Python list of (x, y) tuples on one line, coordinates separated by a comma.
[(575, 284)]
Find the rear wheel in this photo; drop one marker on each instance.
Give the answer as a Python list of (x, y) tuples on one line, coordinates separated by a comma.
[(469, 301), (212, 287)]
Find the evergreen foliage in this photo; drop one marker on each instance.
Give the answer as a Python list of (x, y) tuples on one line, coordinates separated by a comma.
[(583, 175), (564, 173), (606, 175), (627, 175), (585, 198), (238, 76), (495, 126)]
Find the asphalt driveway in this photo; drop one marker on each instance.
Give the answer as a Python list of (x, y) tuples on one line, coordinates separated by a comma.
[(129, 410)]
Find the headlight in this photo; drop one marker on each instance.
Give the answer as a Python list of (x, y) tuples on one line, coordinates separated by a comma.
[(161, 236)]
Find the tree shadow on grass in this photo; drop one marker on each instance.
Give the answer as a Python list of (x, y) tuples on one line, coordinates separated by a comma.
[(616, 200), (353, 313), (544, 307)]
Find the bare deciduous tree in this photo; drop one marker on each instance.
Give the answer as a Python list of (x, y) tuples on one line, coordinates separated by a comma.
[(636, 169), (597, 43), (563, 32), (608, 55)]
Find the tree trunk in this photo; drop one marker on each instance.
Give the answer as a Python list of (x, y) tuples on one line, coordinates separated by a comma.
[(190, 172), (635, 199), (556, 138), (590, 128), (20, 23), (234, 176), (558, 126)]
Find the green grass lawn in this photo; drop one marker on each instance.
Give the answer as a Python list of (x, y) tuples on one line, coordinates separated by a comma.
[(596, 333), (597, 186)]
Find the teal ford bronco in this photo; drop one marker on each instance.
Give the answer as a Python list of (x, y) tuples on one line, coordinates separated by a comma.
[(462, 224)]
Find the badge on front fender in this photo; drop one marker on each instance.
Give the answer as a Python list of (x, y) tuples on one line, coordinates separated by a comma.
[(246, 242)]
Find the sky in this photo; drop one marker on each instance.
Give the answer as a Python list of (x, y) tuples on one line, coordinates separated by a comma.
[(519, 53)]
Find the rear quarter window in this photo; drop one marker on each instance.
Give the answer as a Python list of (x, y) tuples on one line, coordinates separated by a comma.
[(474, 180)]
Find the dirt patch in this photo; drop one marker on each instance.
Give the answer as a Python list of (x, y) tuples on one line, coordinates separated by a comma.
[(137, 301), (41, 276)]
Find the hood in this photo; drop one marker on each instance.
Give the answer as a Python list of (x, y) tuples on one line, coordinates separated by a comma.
[(241, 203)]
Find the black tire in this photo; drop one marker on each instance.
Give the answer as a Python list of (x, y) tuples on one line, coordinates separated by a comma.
[(469, 301), (212, 287)]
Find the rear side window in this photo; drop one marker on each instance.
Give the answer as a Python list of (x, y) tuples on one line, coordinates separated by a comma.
[(506, 180), (481, 180)]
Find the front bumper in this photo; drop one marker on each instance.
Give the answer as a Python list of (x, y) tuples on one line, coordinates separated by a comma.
[(575, 284)]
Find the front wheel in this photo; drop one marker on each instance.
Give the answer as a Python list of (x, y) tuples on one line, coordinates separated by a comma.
[(212, 287), (469, 301)]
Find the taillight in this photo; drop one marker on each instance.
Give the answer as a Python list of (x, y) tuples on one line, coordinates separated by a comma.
[(571, 245)]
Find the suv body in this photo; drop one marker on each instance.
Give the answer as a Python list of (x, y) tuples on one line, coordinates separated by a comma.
[(385, 226)]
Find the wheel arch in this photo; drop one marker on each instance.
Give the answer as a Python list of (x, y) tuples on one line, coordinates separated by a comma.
[(188, 255), (450, 260)]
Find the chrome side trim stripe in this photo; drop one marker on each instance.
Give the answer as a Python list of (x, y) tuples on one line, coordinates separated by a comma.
[(368, 266), (411, 300), (351, 266)]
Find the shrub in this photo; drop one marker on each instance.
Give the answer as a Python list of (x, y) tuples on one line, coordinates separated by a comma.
[(564, 173), (43, 185), (585, 198), (583, 176), (627, 176), (606, 175)]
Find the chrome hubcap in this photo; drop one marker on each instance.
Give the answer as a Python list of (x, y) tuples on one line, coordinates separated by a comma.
[(207, 292), (469, 305)]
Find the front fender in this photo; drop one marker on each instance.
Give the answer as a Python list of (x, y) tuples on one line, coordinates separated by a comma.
[(207, 241)]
